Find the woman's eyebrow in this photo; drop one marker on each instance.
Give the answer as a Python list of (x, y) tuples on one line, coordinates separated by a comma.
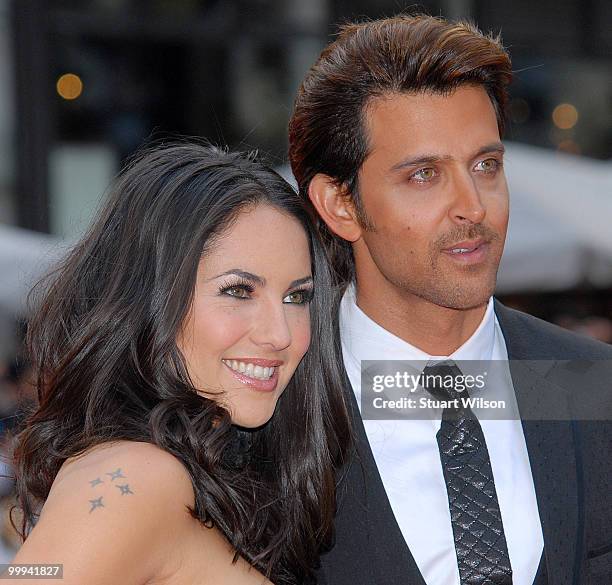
[(299, 281), (260, 280)]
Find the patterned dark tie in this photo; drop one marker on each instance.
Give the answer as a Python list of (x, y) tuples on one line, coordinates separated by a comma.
[(480, 542)]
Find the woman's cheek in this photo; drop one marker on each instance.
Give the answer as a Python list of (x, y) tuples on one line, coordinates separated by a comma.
[(221, 327), (302, 334)]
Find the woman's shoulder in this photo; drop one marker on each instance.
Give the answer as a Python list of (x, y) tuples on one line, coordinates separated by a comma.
[(113, 514), (112, 472), (111, 462)]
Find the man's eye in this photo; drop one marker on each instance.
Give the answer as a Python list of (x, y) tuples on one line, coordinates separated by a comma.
[(490, 165), (298, 297), (423, 175)]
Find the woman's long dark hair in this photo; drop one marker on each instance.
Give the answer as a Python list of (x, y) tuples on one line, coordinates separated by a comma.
[(103, 344)]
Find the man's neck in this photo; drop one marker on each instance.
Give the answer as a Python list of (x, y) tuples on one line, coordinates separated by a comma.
[(434, 329)]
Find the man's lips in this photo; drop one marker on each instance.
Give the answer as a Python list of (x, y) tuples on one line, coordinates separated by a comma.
[(466, 245), (468, 251)]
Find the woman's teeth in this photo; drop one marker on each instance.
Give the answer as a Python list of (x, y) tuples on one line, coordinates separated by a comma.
[(250, 370)]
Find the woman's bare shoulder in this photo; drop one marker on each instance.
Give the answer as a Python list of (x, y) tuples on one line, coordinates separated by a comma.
[(113, 514), (110, 461)]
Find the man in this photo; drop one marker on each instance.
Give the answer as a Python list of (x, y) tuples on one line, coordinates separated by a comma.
[(395, 140)]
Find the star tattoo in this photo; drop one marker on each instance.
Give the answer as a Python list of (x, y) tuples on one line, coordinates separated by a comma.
[(97, 503), (95, 482), (116, 474), (125, 489)]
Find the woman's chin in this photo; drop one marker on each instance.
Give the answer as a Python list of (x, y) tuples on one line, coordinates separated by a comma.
[(252, 420)]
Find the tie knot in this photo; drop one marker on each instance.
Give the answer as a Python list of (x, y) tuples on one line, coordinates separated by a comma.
[(440, 380)]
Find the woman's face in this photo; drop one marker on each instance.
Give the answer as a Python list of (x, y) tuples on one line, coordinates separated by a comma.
[(249, 325)]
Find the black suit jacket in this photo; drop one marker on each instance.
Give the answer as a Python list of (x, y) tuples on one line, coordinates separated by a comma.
[(571, 464)]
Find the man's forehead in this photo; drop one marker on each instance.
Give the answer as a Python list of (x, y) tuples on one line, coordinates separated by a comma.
[(414, 125)]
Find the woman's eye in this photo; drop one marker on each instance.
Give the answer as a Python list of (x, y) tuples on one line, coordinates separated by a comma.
[(298, 297), (240, 292), (489, 165), (424, 175)]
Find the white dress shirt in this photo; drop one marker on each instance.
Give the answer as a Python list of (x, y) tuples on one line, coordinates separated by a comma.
[(408, 458)]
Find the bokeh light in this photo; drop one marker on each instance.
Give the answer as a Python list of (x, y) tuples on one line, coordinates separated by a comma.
[(69, 86), (565, 116), (569, 146)]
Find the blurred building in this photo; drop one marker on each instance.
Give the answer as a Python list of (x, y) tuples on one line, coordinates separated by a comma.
[(85, 82)]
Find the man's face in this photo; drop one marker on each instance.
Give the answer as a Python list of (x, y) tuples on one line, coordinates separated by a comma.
[(435, 196)]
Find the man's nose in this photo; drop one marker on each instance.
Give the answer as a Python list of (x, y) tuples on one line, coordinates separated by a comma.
[(467, 205)]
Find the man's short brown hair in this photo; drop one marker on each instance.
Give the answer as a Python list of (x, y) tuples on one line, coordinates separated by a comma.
[(403, 54)]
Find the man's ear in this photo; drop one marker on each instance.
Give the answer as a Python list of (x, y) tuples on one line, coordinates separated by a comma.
[(335, 207)]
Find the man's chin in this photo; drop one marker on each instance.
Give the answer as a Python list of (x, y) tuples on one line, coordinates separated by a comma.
[(465, 305), (461, 297)]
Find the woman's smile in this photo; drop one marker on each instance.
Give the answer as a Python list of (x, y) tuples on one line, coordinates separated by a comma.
[(255, 376)]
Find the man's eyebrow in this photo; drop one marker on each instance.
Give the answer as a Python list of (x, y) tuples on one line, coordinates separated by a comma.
[(260, 280), (493, 147), (434, 158), (419, 160)]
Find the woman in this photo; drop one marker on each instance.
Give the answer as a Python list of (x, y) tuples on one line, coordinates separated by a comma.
[(175, 373)]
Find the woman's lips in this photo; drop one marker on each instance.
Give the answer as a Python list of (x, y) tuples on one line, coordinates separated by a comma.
[(268, 385), (256, 361)]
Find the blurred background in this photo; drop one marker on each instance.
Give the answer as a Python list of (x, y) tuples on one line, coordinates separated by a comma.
[(83, 83)]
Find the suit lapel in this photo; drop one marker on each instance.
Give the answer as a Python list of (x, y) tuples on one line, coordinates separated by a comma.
[(552, 453), (393, 562)]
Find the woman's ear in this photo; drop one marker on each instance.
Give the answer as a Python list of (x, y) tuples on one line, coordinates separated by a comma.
[(335, 207)]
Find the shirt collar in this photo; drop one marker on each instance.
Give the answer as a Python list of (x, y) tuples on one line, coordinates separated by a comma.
[(364, 339)]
